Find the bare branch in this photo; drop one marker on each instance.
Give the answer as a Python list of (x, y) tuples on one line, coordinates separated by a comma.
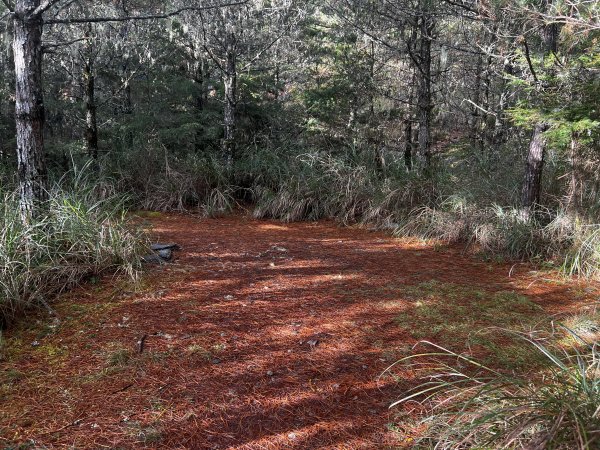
[(528, 58), (471, 7), (63, 44), (142, 17), (46, 5)]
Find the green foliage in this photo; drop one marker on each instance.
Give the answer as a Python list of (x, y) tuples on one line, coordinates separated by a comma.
[(564, 95)]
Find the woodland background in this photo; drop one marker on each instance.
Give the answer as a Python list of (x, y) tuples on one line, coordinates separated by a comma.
[(464, 120)]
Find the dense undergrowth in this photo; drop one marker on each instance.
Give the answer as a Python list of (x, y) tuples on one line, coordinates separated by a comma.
[(84, 232)]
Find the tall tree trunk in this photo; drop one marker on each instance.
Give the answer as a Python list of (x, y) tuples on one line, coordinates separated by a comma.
[(91, 125), (371, 87), (9, 82), (29, 109), (489, 121), (198, 78), (532, 187), (230, 81), (537, 148), (424, 100)]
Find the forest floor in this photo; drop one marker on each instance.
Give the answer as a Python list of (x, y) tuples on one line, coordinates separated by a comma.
[(262, 335)]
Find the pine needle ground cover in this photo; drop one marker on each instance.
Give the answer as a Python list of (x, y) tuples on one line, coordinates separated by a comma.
[(278, 340)]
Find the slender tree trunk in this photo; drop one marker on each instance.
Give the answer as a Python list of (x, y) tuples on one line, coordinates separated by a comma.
[(574, 196), (489, 121), (277, 77), (198, 78), (9, 82), (29, 109), (532, 187), (372, 63), (408, 144), (127, 102), (537, 148), (475, 125), (230, 81), (424, 100), (91, 125)]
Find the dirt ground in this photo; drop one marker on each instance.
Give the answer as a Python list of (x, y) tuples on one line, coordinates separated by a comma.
[(260, 335)]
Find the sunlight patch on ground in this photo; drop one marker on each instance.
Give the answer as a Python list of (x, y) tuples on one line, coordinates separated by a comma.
[(272, 227)]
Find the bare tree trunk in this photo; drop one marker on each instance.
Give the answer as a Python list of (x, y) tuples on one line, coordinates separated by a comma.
[(424, 100), (489, 121), (475, 120), (198, 78), (532, 187), (9, 82), (29, 109), (91, 125), (408, 144), (230, 81)]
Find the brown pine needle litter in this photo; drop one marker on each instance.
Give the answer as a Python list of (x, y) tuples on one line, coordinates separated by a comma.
[(258, 336)]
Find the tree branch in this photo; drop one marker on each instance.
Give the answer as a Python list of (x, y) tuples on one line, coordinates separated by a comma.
[(46, 5), (142, 17), (471, 7), (63, 44), (528, 58)]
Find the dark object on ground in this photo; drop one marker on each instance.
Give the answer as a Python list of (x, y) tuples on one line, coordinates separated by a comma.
[(159, 247), (165, 254), (162, 253), (152, 259)]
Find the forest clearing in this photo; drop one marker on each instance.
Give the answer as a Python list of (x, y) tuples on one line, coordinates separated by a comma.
[(306, 224), (279, 341)]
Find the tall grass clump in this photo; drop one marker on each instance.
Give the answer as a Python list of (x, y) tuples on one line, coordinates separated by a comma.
[(583, 256), (83, 233), (470, 405), (346, 187)]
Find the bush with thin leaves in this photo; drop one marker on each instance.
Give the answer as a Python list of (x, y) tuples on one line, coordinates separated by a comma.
[(81, 234), (583, 256), (470, 405)]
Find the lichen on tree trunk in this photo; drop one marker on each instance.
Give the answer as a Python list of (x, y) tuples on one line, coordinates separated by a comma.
[(532, 187), (29, 109), (230, 82), (424, 97)]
